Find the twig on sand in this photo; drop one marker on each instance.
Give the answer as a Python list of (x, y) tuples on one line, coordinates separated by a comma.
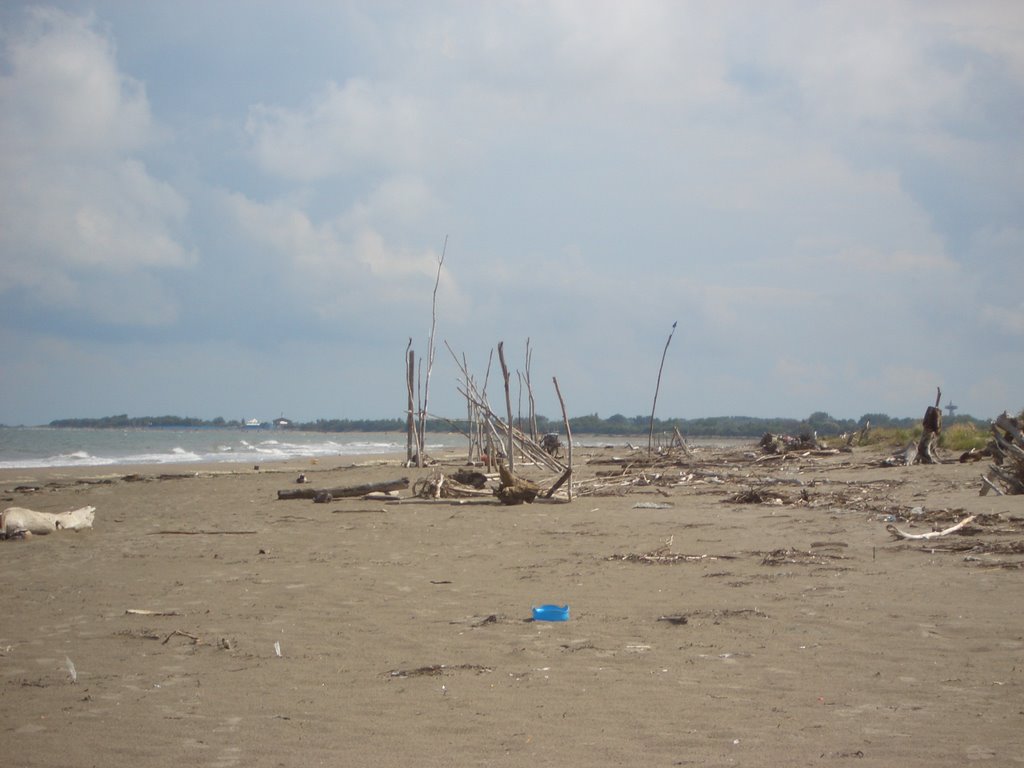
[(201, 533), (195, 640)]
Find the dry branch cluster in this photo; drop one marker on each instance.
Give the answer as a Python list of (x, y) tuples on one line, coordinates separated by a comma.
[(1006, 474)]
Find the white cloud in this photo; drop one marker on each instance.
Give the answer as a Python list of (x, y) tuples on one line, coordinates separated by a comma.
[(344, 128), (1009, 320), (65, 93), (344, 266), (84, 209)]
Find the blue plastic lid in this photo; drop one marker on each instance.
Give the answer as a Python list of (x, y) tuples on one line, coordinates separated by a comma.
[(551, 613)]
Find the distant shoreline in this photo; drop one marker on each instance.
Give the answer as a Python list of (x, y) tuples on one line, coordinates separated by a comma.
[(616, 425)]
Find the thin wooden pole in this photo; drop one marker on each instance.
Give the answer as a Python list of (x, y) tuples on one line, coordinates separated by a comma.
[(430, 351), (409, 381), (650, 434), (568, 435), (508, 405)]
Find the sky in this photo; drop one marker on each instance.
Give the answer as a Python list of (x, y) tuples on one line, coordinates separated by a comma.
[(239, 208)]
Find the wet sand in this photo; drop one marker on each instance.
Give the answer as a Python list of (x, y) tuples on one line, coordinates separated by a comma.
[(703, 631)]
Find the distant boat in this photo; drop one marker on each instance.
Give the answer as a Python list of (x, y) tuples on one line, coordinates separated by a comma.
[(252, 424)]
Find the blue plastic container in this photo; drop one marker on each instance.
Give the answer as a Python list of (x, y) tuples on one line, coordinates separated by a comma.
[(551, 613)]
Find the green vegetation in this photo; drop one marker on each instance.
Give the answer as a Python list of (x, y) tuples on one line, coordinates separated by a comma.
[(123, 421), (963, 436)]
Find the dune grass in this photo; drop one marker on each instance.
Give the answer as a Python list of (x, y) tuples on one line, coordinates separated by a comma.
[(955, 437)]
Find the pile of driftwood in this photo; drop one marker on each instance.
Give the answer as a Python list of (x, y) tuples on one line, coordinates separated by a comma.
[(458, 485), (777, 444), (1006, 475)]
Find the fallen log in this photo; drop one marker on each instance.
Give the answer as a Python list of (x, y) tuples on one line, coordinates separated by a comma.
[(897, 533), (344, 492)]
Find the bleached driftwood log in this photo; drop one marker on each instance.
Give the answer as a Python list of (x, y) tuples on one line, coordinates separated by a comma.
[(931, 534), (16, 521)]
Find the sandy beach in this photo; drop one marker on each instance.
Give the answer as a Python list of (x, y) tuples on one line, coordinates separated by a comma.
[(208, 623)]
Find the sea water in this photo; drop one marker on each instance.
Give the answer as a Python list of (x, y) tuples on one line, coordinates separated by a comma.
[(35, 447)]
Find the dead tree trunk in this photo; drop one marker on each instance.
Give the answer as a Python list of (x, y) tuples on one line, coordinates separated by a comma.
[(932, 423)]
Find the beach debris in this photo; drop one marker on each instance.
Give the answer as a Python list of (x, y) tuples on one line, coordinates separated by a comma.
[(757, 496), (664, 555), (792, 556), (932, 423), (515, 490), (459, 485), (277, 648), (902, 458), (382, 496), (675, 619), (18, 521), (70, 666), (551, 443), (202, 533), (179, 633), (1006, 474), (145, 612), (653, 505), (779, 445), (898, 534), (302, 479), (434, 670), (345, 491), (923, 452), (323, 497)]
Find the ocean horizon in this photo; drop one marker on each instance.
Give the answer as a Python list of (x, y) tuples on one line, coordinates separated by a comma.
[(55, 447), (43, 447)]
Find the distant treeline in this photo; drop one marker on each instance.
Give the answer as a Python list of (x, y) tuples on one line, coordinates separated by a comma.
[(123, 421), (714, 426)]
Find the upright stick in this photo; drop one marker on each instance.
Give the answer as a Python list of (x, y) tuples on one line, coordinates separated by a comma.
[(430, 353), (508, 405), (650, 434), (410, 365), (568, 434)]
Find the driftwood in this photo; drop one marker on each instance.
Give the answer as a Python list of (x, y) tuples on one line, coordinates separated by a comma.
[(515, 490), (17, 521), (344, 492), (460, 485), (897, 533), (567, 475), (1006, 475), (932, 423)]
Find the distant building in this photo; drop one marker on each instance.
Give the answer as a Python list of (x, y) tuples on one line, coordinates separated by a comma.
[(282, 423)]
